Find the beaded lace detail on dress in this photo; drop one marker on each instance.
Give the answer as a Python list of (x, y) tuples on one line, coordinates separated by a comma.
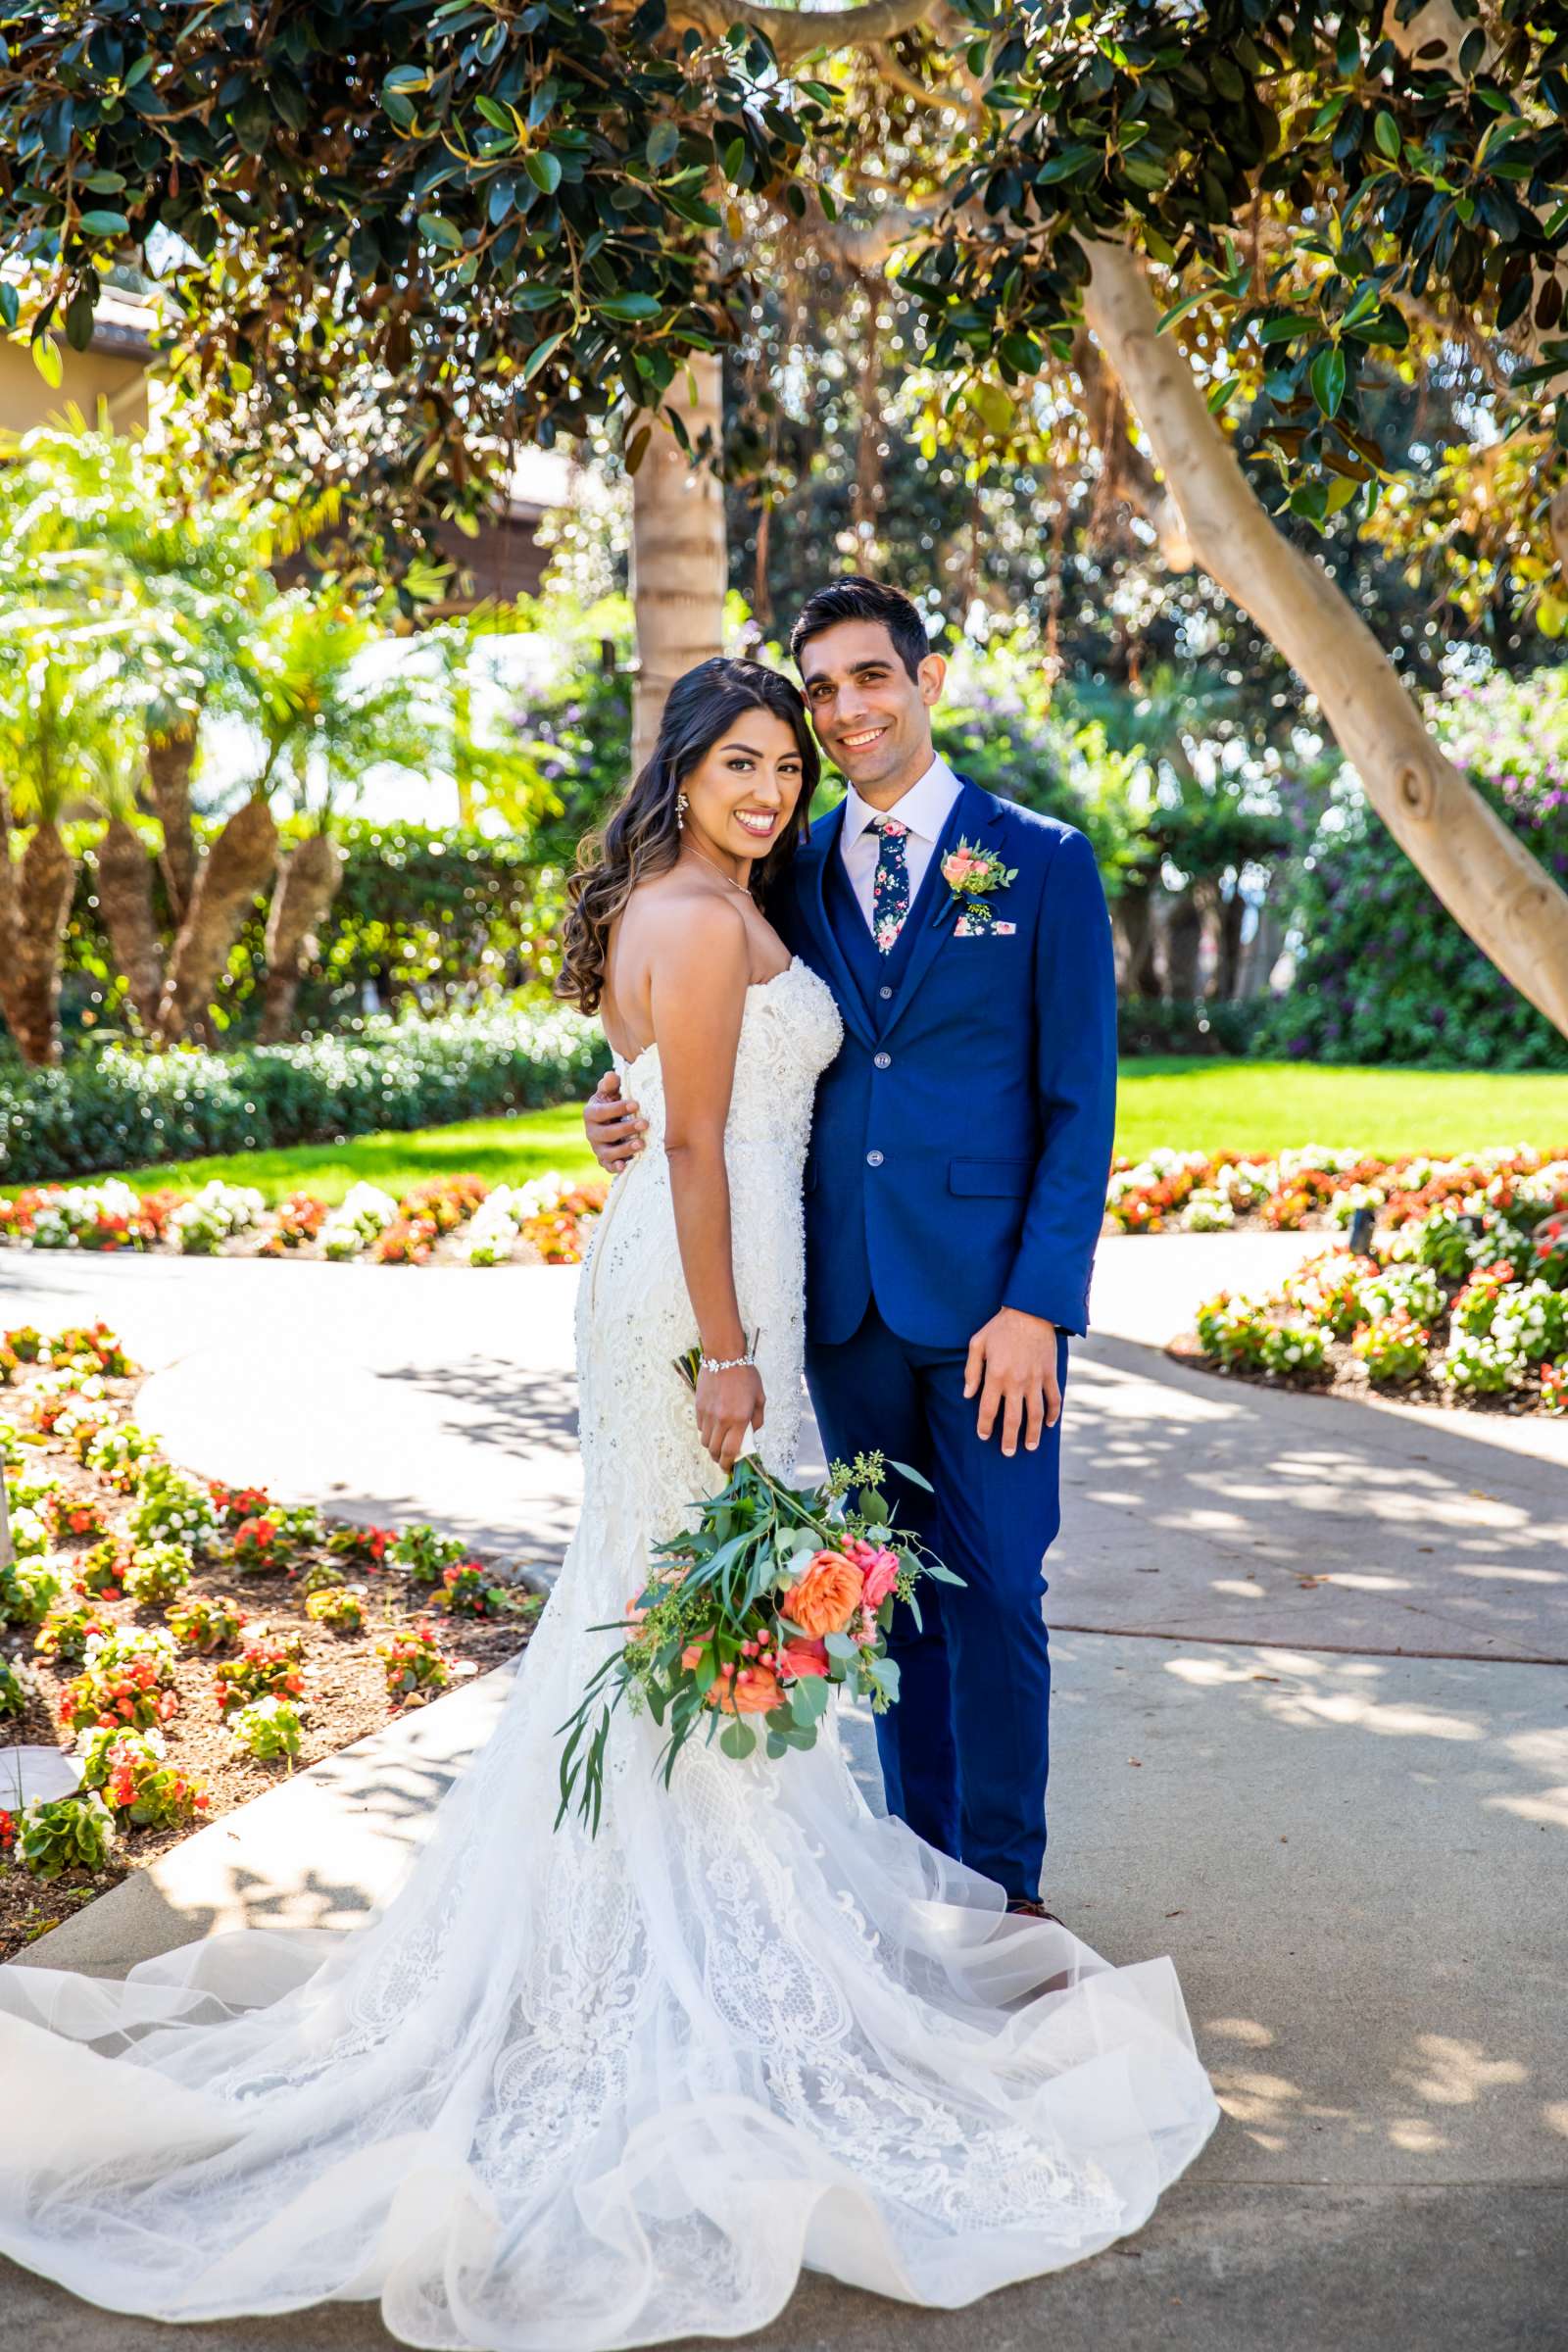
[(565, 2093)]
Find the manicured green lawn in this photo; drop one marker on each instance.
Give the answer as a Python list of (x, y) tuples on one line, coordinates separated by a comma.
[(504, 1151), (1267, 1106), (1192, 1105)]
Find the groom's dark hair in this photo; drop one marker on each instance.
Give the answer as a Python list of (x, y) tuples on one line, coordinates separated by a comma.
[(860, 599)]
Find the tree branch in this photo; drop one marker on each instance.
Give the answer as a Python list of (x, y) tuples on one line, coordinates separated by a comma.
[(1133, 477), (1503, 897), (795, 33)]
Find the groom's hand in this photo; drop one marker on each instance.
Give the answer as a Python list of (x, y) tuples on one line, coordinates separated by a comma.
[(1012, 1364), (615, 1128)]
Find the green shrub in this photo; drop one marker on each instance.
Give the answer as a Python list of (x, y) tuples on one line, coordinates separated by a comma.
[(16, 1689), (171, 1508), (424, 1553), (204, 1621), (71, 1623), (1478, 1366), (1393, 1347), (68, 1832), (29, 1591), (115, 1106), (1384, 973), (1296, 1350), (157, 1572), (341, 1609), (1531, 1322), (269, 1729), (1177, 1025), (133, 1775), (1234, 1330)]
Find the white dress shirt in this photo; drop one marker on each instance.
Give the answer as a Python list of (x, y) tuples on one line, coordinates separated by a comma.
[(924, 811)]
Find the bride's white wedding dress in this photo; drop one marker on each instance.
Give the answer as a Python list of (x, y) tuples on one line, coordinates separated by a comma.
[(566, 2092)]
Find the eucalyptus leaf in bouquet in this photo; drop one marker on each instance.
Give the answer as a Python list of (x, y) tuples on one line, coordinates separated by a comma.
[(751, 1618)]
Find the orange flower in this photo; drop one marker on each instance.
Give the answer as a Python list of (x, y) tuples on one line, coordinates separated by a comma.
[(755, 1690), (826, 1597), (805, 1657)]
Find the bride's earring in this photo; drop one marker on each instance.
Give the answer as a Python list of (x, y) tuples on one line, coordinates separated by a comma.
[(683, 804)]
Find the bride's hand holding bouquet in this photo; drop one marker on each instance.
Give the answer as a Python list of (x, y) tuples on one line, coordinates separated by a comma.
[(749, 1620)]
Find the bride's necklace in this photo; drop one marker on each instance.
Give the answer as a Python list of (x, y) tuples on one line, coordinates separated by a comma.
[(694, 852)]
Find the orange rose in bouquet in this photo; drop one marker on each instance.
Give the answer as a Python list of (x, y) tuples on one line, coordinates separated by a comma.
[(826, 1597), (752, 1615)]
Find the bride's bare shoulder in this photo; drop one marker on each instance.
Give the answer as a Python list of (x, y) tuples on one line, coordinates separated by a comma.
[(669, 923)]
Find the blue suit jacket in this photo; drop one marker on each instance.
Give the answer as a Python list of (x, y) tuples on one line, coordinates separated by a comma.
[(964, 1133)]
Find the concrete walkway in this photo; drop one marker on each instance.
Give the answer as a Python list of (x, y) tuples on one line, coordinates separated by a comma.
[(1311, 1737)]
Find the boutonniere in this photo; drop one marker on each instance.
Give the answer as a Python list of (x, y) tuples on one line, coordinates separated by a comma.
[(974, 875)]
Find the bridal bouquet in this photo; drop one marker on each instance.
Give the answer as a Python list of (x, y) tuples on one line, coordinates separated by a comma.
[(751, 1619)]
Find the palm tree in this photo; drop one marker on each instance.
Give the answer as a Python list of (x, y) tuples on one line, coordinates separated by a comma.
[(53, 694), (136, 535), (329, 699)]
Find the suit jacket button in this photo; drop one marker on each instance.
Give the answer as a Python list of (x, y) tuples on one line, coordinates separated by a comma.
[(882, 1061), (884, 992), (873, 1159)]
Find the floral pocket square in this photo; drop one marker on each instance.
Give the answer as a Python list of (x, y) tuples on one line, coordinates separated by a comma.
[(967, 927)]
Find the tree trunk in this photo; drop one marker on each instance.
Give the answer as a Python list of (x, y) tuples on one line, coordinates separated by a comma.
[(677, 552), (1135, 910), (1184, 937), (39, 890), (307, 884), (170, 758), (1230, 914), (1262, 951), (1487, 878), (126, 903), (231, 879)]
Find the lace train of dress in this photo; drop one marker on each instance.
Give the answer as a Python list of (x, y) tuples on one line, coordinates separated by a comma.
[(563, 2094)]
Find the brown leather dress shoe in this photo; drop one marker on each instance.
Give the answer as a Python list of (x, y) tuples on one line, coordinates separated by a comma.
[(1023, 1906)]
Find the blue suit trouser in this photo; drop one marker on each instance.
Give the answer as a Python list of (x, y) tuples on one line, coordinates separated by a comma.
[(965, 1749)]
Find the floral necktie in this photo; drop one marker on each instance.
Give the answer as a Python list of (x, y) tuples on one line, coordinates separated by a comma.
[(890, 886)]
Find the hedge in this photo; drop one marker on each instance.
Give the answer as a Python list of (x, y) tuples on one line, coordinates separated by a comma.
[(1176, 1025), (117, 1106)]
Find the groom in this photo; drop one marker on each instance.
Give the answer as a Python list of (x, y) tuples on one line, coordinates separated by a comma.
[(954, 1190)]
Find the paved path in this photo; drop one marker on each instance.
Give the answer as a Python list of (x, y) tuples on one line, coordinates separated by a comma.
[(1355, 1855)]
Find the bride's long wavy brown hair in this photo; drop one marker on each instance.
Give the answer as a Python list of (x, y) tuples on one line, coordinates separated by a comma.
[(643, 835)]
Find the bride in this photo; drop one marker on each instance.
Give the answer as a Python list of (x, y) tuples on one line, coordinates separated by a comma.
[(565, 2092)]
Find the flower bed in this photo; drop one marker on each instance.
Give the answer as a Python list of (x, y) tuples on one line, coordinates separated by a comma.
[(461, 1220), (187, 1640), (458, 1220), (1462, 1299), (1316, 1186)]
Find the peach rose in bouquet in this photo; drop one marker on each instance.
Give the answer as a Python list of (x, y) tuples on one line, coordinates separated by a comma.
[(826, 1597)]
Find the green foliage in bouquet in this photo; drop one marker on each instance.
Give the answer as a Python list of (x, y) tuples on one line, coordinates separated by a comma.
[(750, 1618)]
